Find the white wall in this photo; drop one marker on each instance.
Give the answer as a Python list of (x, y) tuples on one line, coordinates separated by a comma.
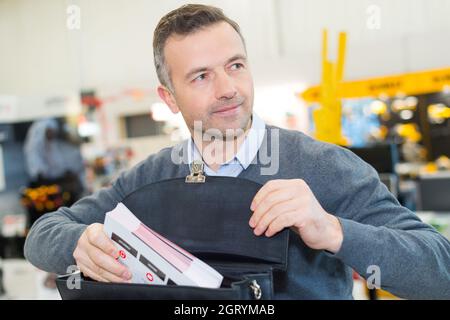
[(41, 57)]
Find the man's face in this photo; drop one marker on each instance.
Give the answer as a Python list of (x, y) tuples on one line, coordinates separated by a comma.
[(211, 78)]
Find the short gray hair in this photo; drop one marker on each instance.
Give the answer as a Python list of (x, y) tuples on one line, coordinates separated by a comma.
[(185, 20)]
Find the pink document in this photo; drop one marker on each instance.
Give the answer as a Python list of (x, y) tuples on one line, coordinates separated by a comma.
[(152, 258)]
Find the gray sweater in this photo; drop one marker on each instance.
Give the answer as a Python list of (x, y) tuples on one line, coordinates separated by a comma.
[(412, 257)]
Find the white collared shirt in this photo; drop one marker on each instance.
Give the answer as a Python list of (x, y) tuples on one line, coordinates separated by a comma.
[(243, 158)]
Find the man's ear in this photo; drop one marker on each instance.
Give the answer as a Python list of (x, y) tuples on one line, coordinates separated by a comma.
[(168, 98)]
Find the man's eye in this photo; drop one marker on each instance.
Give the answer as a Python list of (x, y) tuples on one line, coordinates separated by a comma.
[(200, 77), (237, 66)]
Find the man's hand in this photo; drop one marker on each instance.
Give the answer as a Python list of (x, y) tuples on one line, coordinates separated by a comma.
[(281, 204), (96, 256)]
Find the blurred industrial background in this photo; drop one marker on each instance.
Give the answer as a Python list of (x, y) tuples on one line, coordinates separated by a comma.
[(373, 76)]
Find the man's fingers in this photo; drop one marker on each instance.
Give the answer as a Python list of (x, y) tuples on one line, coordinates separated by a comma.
[(272, 199), (109, 267), (277, 210), (96, 270), (282, 221), (96, 255), (265, 190), (98, 238), (88, 272)]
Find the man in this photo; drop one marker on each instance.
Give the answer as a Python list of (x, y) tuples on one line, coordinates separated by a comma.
[(53, 158), (339, 213), (50, 154)]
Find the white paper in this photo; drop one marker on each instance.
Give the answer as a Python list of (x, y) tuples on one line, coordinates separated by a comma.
[(151, 258)]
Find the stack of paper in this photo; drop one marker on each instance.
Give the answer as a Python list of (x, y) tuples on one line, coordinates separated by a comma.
[(151, 258)]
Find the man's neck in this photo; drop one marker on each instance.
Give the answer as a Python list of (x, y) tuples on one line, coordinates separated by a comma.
[(217, 152)]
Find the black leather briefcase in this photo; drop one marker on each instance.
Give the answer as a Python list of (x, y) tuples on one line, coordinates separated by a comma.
[(209, 217)]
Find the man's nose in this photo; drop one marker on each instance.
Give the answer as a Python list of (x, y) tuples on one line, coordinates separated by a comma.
[(225, 88)]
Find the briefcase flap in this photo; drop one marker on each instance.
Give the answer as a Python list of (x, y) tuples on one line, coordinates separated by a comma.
[(210, 220)]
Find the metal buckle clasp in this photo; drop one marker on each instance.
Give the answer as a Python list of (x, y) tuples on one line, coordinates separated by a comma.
[(257, 292), (196, 175)]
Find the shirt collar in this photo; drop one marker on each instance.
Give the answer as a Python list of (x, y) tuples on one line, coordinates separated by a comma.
[(248, 150)]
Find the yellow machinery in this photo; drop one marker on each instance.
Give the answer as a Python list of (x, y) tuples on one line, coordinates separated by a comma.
[(409, 84), (327, 118), (329, 94), (437, 113)]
